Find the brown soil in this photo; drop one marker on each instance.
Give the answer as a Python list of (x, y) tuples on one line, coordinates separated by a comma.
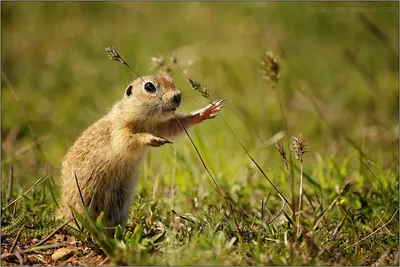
[(82, 256)]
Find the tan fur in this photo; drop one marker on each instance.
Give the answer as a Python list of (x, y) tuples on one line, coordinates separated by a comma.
[(106, 157)]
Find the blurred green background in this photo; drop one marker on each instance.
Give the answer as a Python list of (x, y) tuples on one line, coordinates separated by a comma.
[(339, 89), (340, 75)]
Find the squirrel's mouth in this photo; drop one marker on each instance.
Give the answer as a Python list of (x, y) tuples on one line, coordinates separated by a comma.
[(169, 109)]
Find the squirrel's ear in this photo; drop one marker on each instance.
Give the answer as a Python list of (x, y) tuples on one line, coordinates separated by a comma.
[(128, 90)]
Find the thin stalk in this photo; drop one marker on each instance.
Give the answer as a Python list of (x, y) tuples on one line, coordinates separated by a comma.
[(252, 159), (342, 191), (17, 99), (291, 175), (52, 233), (205, 93), (115, 56), (10, 183), (198, 153), (17, 238), (39, 181), (79, 190), (374, 232), (300, 195)]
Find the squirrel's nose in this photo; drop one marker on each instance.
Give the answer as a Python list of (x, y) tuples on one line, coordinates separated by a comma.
[(178, 98)]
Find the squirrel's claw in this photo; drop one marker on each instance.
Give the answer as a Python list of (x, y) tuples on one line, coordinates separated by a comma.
[(158, 141)]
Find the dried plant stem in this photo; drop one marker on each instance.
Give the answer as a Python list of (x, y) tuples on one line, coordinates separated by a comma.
[(353, 224), (198, 153), (115, 56), (79, 190), (32, 248), (52, 233), (338, 228), (183, 217), (173, 178), (300, 196), (383, 215), (301, 185), (252, 159), (344, 188), (83, 203), (298, 148), (277, 215), (206, 94), (21, 151), (10, 183), (39, 181), (16, 239), (291, 173), (104, 261), (52, 194), (374, 232), (195, 147), (14, 210), (240, 118)]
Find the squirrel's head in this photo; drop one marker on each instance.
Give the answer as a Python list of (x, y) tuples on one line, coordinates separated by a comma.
[(153, 95)]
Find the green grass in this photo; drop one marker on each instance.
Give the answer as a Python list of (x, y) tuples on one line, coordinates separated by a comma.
[(57, 80)]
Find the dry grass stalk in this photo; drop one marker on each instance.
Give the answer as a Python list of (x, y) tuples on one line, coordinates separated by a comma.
[(10, 184), (16, 239), (271, 68), (115, 56), (39, 181), (298, 149), (205, 93), (344, 189)]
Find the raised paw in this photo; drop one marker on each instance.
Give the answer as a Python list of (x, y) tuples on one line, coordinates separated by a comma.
[(158, 141), (209, 112)]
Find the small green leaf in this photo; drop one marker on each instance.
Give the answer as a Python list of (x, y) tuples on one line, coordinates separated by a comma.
[(118, 235), (137, 235), (145, 243), (99, 220), (128, 235)]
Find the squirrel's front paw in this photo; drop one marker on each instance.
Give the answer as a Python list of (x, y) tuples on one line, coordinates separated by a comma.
[(157, 141), (209, 112)]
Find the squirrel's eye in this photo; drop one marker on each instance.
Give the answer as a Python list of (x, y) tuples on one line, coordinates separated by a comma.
[(149, 87)]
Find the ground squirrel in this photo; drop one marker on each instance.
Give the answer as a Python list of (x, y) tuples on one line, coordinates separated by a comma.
[(105, 158)]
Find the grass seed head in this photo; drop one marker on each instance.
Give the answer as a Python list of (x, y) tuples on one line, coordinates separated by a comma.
[(298, 147), (271, 68), (198, 87), (282, 152), (114, 55)]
